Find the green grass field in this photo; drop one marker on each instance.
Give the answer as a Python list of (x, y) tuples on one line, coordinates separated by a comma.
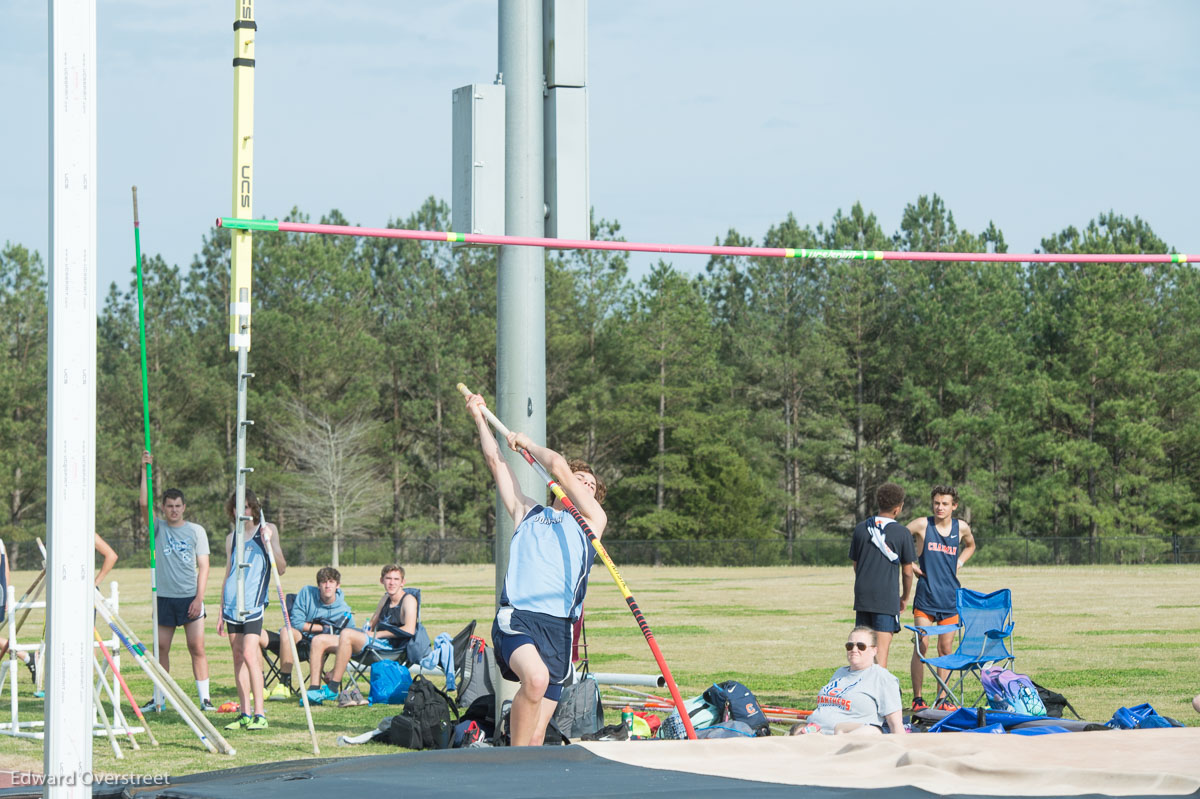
[(1103, 636)]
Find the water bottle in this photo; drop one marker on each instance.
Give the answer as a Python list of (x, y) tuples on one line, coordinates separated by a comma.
[(627, 719)]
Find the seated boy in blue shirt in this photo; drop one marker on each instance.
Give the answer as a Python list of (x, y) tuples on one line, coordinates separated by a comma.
[(318, 615)]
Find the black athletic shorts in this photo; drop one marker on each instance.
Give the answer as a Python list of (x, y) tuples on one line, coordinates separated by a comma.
[(244, 627)]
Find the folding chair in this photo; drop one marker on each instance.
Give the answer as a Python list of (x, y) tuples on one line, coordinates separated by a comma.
[(984, 638), (360, 663), (270, 655), (462, 645)]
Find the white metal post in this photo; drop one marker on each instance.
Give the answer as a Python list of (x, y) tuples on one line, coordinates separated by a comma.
[(71, 386)]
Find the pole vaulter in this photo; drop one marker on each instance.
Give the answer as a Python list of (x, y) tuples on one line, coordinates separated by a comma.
[(274, 225), (603, 553)]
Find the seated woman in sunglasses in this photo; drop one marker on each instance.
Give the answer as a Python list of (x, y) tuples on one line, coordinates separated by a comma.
[(859, 697)]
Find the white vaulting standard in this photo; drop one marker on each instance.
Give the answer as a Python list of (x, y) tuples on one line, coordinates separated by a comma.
[(71, 429)]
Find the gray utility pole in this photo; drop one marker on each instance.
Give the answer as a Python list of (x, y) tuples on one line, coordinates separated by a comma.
[(520, 167), (521, 282)]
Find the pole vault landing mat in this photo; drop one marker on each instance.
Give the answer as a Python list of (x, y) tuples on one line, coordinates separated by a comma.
[(1087, 764)]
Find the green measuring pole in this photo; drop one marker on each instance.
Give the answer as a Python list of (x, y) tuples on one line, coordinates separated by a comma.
[(137, 246)]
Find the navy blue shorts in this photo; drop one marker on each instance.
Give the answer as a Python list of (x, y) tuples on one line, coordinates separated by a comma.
[(879, 622), (550, 635), (173, 611)]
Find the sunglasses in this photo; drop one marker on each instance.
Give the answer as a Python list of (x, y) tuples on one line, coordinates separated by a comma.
[(861, 646)]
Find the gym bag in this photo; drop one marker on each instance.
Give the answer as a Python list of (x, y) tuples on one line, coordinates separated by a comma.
[(702, 713), (428, 710), (475, 671), (1011, 692), (738, 703), (579, 710), (1140, 717), (1055, 702), (389, 683)]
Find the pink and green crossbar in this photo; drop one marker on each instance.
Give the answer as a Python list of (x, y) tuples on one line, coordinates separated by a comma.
[(273, 225)]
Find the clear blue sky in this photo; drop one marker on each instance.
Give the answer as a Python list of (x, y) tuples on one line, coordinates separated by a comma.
[(705, 115)]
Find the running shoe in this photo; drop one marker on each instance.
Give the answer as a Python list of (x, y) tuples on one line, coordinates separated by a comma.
[(206, 705), (919, 704), (150, 707), (351, 697), (243, 721), (280, 693), (945, 704), (257, 723), (315, 696)]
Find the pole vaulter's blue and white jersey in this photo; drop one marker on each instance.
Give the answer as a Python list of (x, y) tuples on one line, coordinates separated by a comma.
[(258, 580), (548, 563)]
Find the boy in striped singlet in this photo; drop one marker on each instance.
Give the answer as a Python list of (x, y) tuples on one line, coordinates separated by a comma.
[(245, 632)]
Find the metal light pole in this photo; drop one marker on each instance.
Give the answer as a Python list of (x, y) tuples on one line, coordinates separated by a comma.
[(521, 281)]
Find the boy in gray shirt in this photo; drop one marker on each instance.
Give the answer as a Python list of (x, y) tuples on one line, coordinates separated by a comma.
[(181, 576)]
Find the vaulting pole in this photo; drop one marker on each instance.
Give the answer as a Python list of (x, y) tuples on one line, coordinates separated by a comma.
[(273, 225), (603, 553), (196, 720), (101, 683), (291, 643), (141, 297), (124, 687)]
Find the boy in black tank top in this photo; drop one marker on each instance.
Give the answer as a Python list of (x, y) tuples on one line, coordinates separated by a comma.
[(882, 555), (943, 544)]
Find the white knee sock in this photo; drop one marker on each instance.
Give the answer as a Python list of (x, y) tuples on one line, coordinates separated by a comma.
[(202, 689)]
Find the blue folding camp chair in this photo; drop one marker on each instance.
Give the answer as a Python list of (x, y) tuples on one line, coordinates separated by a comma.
[(984, 639), (410, 651)]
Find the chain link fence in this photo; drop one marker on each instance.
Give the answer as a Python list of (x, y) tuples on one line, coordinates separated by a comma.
[(805, 551)]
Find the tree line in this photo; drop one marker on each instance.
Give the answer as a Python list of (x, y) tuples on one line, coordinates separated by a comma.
[(760, 399)]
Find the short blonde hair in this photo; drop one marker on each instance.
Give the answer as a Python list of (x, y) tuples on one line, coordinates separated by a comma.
[(391, 567)]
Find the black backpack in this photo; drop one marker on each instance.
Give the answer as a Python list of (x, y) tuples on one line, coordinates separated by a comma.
[(1054, 702), (739, 703), (426, 721)]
